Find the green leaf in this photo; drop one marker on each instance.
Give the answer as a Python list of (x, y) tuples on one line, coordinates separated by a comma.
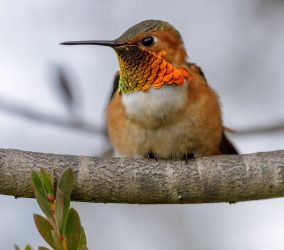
[(59, 210), (44, 227), (57, 241), (28, 247), (73, 230), (41, 194), (43, 248), (65, 184), (47, 181), (83, 239)]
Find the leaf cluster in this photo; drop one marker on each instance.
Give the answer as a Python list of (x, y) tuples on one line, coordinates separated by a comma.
[(60, 227)]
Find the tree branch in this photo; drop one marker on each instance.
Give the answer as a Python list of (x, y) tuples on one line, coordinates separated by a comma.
[(261, 129), (39, 116), (230, 178)]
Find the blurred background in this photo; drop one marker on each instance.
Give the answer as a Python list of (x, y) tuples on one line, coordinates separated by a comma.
[(52, 99)]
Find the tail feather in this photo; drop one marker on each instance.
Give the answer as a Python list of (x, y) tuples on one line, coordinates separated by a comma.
[(226, 147)]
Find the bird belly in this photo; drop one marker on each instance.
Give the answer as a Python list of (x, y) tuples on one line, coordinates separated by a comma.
[(156, 107), (165, 124)]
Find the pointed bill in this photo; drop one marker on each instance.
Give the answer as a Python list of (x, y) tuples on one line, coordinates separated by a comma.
[(94, 42)]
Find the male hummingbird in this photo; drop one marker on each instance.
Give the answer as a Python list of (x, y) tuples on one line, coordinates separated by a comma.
[(162, 105)]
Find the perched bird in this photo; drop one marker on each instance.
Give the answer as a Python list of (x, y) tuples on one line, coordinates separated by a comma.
[(162, 105)]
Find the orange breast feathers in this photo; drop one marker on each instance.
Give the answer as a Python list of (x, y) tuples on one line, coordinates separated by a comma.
[(163, 72), (141, 69)]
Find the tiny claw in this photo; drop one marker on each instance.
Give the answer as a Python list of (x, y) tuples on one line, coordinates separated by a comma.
[(187, 157), (152, 156)]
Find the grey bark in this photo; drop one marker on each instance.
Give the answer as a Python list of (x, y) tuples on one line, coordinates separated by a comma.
[(230, 178)]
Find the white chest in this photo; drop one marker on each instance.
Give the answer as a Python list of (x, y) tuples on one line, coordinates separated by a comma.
[(155, 103)]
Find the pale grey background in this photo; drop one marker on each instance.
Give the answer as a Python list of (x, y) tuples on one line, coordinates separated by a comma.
[(239, 45)]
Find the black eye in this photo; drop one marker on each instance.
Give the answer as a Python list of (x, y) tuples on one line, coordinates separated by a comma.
[(147, 41)]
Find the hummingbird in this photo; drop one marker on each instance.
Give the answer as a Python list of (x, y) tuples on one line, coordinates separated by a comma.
[(161, 105)]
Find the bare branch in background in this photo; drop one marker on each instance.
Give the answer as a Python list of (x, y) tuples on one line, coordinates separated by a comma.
[(272, 128), (66, 87), (39, 116), (230, 178)]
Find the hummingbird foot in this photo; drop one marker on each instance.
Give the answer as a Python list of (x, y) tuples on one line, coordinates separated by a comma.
[(187, 157), (152, 156)]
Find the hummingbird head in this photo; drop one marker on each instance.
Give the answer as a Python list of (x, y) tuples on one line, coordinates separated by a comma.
[(150, 54)]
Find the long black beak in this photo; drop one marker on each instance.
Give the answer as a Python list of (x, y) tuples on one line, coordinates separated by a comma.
[(94, 42)]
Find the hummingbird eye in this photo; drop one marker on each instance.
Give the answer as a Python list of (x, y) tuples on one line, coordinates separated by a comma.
[(147, 41)]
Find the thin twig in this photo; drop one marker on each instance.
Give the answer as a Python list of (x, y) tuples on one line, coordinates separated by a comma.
[(39, 116), (272, 128)]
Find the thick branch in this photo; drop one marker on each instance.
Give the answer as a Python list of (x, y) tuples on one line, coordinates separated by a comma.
[(210, 179)]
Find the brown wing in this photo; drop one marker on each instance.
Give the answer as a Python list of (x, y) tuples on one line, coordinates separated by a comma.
[(113, 91), (115, 84), (226, 147)]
